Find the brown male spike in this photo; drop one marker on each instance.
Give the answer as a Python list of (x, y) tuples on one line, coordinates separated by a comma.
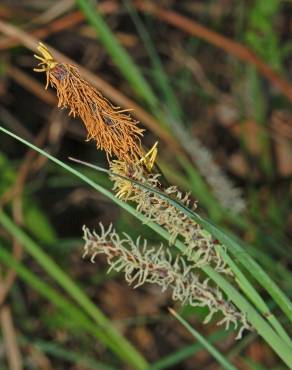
[(113, 129)]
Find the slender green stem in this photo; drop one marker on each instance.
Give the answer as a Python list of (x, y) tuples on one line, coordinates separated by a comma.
[(110, 335), (258, 322), (253, 295), (119, 55), (280, 346), (187, 351), (69, 309), (161, 78), (209, 347)]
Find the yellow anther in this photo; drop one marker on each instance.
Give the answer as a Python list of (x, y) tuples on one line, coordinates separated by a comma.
[(45, 52), (149, 158), (47, 60)]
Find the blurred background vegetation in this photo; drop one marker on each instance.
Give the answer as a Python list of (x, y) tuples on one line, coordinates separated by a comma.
[(210, 81)]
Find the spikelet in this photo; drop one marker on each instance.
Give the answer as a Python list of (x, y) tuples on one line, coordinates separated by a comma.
[(114, 131), (143, 264), (201, 248), (222, 187)]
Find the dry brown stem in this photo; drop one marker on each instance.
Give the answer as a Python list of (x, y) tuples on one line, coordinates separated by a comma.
[(9, 337), (66, 22), (232, 47)]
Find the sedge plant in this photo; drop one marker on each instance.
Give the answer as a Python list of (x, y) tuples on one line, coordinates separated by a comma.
[(202, 273), (119, 135)]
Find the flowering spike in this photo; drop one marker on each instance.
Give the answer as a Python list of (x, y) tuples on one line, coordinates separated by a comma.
[(143, 264), (113, 129), (201, 248)]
